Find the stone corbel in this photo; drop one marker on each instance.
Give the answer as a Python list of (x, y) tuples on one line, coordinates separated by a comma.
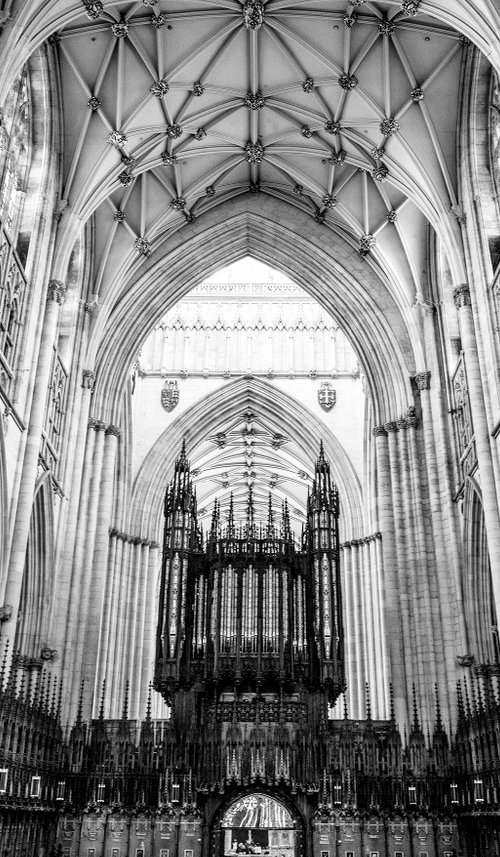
[(5, 612)]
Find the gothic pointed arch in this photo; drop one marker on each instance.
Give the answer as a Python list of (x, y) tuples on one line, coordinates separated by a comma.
[(479, 603), (287, 416), (36, 588)]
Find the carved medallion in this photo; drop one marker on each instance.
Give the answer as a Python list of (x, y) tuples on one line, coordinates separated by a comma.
[(327, 396), (170, 394)]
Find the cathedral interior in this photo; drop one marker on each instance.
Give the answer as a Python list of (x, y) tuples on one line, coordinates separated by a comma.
[(249, 428)]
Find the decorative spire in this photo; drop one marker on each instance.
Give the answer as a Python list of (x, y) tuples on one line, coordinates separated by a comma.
[(460, 702), (148, 705), (79, 711), (439, 722), (250, 514), (101, 707), (230, 517), (270, 516), (368, 702), (125, 702), (391, 704), (214, 528), (416, 723)]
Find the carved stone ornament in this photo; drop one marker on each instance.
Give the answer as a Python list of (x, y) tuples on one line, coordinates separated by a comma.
[(190, 217), (349, 19), (178, 203), (170, 394), (93, 9), (126, 178), (119, 216), (168, 160), (54, 39), (254, 152), (466, 660), (380, 173), (327, 396), (410, 7), (308, 84), (159, 21), (319, 216), (173, 132), (298, 189), (120, 29), (329, 201), (379, 431), (159, 88), (332, 127), (210, 190), (392, 216), (356, 2), (150, 2), (417, 94), (386, 28), (128, 161), (112, 430), (377, 153), (461, 296), (254, 187), (366, 242), (94, 103), (423, 380), (348, 81), (464, 41), (5, 612), (254, 100), (389, 126), (117, 139), (306, 132), (56, 291), (198, 88), (88, 379), (337, 158), (47, 654), (253, 14), (142, 246), (200, 134)]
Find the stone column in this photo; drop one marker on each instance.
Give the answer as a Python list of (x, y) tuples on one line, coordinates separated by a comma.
[(67, 584), (12, 593), (150, 619), (143, 603), (100, 553), (390, 588), (481, 433)]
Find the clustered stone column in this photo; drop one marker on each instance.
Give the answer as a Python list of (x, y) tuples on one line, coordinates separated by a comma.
[(462, 299), (12, 594), (127, 616)]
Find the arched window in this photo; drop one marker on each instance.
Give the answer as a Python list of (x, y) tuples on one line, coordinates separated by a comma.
[(15, 148)]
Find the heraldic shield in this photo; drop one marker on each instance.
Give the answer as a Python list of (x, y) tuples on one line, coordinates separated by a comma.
[(327, 396), (170, 394)]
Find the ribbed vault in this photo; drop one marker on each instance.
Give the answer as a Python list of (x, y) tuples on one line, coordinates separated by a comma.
[(352, 290), (272, 408)]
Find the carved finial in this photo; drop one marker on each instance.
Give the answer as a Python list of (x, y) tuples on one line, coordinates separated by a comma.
[(4, 664), (460, 702), (439, 722), (391, 703), (416, 723), (250, 513), (270, 516), (148, 704), (346, 712), (230, 517), (368, 702), (125, 702), (101, 707)]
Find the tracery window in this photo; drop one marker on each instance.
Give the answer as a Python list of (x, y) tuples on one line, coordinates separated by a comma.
[(14, 162)]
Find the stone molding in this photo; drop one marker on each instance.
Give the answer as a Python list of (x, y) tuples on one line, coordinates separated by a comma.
[(391, 426), (423, 380), (379, 431), (88, 379), (461, 296), (113, 430), (56, 291)]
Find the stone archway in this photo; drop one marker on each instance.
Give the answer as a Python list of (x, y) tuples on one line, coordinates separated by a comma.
[(257, 823)]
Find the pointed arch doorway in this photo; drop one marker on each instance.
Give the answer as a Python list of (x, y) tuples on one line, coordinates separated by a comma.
[(258, 824)]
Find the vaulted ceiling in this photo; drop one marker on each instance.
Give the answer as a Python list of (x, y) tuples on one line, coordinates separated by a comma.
[(347, 111)]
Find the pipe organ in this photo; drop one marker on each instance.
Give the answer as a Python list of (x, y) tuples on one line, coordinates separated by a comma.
[(252, 607)]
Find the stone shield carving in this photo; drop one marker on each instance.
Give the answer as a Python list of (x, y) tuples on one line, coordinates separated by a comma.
[(170, 394), (327, 396)]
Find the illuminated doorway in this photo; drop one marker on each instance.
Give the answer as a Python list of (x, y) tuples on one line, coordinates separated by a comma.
[(258, 824)]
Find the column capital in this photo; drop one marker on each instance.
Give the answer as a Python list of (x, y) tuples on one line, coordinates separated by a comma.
[(113, 430), (391, 426), (423, 380), (88, 379), (461, 295), (56, 291), (379, 431), (402, 423), (99, 425)]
